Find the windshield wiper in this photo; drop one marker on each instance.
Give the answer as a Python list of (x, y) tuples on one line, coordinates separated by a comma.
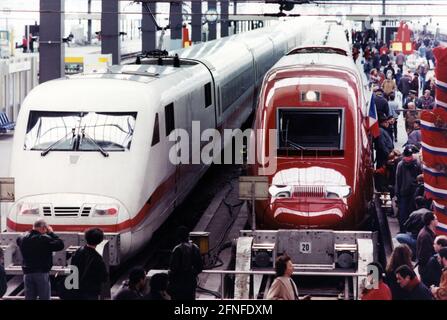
[(99, 148), (293, 144), (296, 145), (51, 147)]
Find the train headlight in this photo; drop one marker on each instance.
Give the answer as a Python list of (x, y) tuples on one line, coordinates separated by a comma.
[(29, 209), (310, 96), (102, 210)]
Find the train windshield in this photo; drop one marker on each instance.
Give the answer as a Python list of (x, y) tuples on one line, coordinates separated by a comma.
[(80, 131), (310, 129)]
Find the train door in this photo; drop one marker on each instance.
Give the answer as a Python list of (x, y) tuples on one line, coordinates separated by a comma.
[(183, 144), (169, 116), (219, 117)]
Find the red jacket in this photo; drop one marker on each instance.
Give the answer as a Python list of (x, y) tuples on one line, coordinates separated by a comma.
[(381, 293)]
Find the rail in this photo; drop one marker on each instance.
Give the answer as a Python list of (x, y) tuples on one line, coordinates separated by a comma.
[(129, 56)]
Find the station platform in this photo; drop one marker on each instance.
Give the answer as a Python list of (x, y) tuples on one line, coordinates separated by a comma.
[(127, 47)]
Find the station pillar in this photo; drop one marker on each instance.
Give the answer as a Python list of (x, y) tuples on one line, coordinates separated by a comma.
[(149, 28), (212, 25), (224, 24), (196, 21), (51, 47), (110, 30), (175, 22)]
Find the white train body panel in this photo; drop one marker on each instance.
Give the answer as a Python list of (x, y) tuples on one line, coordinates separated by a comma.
[(133, 190)]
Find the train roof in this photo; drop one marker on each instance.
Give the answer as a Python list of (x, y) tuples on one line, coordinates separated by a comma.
[(139, 73), (317, 61), (327, 47)]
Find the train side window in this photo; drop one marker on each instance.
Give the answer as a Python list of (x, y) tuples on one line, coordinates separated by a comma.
[(207, 88), (156, 134), (169, 118)]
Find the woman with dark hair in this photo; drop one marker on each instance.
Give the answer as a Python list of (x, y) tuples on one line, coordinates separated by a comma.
[(375, 287), (401, 255), (283, 287)]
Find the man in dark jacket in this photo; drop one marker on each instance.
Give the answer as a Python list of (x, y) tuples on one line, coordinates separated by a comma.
[(37, 248), (92, 269), (425, 241), (413, 225), (414, 85), (413, 287), (407, 171), (381, 103), (186, 263), (404, 87), (433, 269), (384, 143)]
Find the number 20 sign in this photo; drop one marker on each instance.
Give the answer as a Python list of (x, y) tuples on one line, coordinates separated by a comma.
[(306, 247)]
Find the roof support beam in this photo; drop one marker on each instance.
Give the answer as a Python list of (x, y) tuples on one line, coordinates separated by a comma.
[(110, 31)]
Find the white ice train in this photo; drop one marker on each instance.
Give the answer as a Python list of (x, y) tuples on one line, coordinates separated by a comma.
[(92, 150)]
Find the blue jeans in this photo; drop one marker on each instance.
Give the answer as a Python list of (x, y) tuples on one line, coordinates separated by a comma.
[(403, 203), (37, 285), (407, 238)]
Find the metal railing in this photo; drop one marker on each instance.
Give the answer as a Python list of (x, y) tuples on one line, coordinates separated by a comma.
[(346, 275), (18, 75)]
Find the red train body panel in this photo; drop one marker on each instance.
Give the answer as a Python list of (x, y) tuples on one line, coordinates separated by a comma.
[(315, 99)]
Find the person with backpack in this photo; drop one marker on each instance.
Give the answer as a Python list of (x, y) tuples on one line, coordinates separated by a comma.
[(407, 171), (184, 267)]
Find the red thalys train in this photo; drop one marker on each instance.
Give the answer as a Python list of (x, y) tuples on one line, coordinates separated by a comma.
[(316, 100)]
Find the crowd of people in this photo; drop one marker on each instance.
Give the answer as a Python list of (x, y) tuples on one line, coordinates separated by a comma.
[(92, 276), (399, 89)]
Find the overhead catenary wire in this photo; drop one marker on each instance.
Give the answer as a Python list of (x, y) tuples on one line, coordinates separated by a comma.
[(251, 15)]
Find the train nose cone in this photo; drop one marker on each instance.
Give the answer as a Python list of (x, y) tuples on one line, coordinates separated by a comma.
[(308, 213), (312, 197)]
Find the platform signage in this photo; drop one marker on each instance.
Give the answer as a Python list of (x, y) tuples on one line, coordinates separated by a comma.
[(7, 193), (306, 247), (253, 187)]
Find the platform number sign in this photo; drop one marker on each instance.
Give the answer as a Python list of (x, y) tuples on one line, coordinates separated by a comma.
[(306, 247)]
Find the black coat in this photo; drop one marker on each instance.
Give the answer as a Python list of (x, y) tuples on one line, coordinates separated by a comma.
[(414, 85), (432, 272), (404, 85), (419, 292), (384, 145), (424, 247), (396, 291), (382, 105), (415, 222), (37, 251), (92, 270), (186, 263), (406, 174)]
